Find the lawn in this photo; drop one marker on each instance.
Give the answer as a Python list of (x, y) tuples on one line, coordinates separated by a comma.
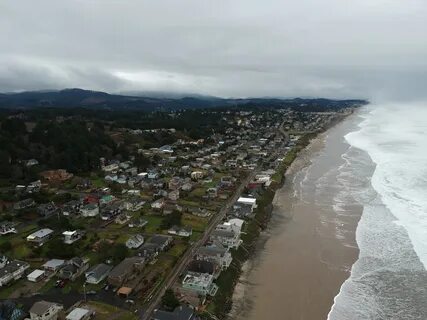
[(198, 192), (154, 222), (178, 249), (106, 311), (5, 292), (197, 223)]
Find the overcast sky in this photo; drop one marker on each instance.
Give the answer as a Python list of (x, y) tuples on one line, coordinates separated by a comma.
[(231, 48)]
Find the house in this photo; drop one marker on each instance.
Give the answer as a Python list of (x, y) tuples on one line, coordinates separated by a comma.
[(148, 251), (91, 198), (227, 181), (111, 167), (134, 204), (53, 265), (72, 207), (111, 211), (188, 186), (197, 175), (215, 253), (45, 310), (212, 193), (158, 204), (34, 187), (47, 209), (97, 273), (72, 236), (247, 201), (203, 266), (126, 270), (80, 314), (135, 241), (180, 313), (173, 195), (7, 228), (40, 237), (107, 199), (137, 223), (162, 241), (171, 207), (199, 283), (73, 268), (227, 237), (184, 231), (122, 218), (23, 204), (11, 270), (36, 275), (89, 210), (175, 183), (152, 175), (31, 162)]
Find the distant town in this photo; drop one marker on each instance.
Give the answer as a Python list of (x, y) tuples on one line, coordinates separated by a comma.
[(130, 215)]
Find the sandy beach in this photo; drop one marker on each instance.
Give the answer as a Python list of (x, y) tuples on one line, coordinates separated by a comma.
[(308, 249)]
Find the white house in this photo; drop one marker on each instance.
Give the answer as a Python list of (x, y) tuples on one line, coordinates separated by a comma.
[(199, 283), (97, 273), (135, 241), (12, 270), (36, 275), (248, 201), (45, 310), (6, 228), (53, 265), (40, 237), (80, 314), (184, 231), (89, 210), (72, 236)]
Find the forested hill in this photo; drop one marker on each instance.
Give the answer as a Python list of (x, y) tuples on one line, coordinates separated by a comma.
[(72, 98)]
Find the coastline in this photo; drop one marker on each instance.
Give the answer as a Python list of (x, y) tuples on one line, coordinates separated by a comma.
[(224, 304), (299, 234)]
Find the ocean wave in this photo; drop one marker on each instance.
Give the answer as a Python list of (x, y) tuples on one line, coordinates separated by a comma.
[(395, 139), (388, 281)]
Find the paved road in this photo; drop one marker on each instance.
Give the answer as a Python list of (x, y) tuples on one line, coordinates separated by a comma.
[(188, 255)]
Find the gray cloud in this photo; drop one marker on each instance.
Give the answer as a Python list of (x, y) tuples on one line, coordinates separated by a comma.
[(332, 48)]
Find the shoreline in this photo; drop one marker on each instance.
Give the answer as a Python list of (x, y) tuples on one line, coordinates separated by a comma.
[(223, 304), (308, 271)]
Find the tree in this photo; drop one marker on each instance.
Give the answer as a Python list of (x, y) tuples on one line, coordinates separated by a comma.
[(169, 300), (5, 246), (57, 248), (119, 252), (174, 219)]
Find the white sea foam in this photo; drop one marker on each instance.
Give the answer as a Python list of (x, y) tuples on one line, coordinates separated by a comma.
[(388, 281), (395, 137)]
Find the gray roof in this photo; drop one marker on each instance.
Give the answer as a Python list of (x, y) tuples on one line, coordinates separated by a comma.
[(40, 307), (12, 266), (160, 239), (180, 313), (126, 266), (211, 251), (99, 270), (223, 234)]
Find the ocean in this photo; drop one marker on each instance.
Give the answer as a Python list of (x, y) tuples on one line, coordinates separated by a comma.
[(385, 171)]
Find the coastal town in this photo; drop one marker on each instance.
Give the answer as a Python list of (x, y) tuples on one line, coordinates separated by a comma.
[(148, 230)]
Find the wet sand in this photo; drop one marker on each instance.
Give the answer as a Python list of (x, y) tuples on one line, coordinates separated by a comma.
[(307, 251)]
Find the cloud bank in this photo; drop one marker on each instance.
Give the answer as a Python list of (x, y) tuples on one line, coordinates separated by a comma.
[(372, 49)]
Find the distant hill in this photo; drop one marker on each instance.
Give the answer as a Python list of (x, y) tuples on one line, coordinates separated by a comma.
[(73, 98)]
